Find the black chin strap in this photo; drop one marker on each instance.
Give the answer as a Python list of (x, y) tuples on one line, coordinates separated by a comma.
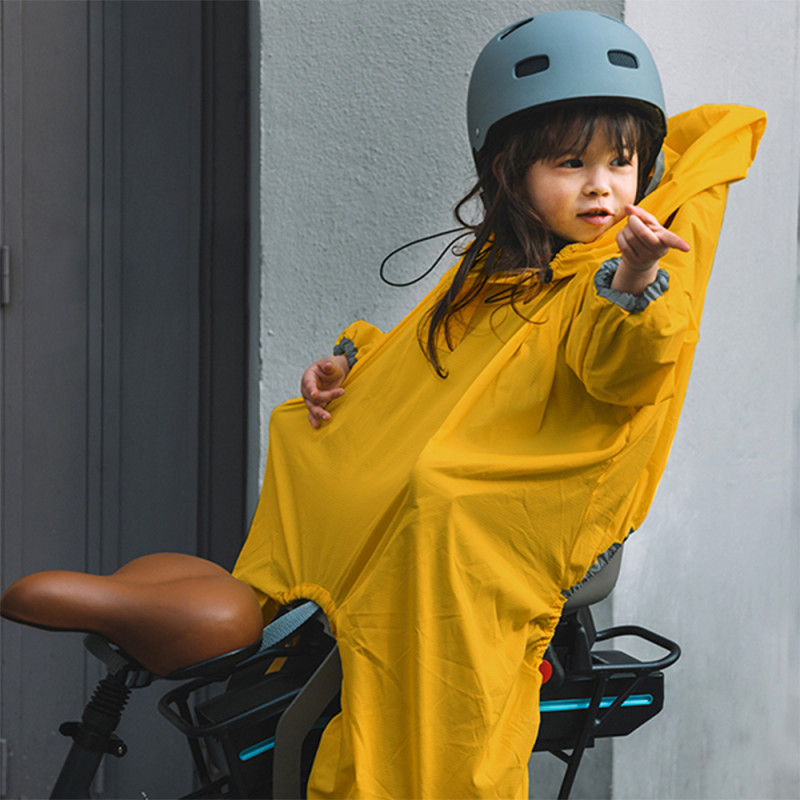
[(462, 232)]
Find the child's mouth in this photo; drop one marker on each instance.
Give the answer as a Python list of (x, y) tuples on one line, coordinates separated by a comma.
[(596, 216)]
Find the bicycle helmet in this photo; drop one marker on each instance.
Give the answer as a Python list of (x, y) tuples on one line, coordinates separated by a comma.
[(556, 57)]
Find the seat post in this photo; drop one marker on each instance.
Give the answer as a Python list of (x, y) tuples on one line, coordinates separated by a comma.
[(93, 737)]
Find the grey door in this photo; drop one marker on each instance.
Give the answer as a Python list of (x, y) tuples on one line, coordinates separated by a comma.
[(123, 220)]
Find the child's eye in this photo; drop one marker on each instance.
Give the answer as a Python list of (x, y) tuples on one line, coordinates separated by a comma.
[(572, 163), (621, 161)]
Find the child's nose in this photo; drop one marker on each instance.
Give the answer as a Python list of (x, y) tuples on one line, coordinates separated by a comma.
[(597, 182)]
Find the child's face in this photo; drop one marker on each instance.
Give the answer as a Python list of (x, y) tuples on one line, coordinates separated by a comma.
[(580, 197)]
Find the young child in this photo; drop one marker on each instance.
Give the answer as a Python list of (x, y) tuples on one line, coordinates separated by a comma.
[(463, 471)]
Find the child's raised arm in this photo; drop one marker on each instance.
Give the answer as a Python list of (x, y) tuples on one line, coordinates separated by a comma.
[(320, 384), (642, 242)]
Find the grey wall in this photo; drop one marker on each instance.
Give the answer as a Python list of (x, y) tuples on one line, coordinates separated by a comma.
[(716, 564), (363, 147)]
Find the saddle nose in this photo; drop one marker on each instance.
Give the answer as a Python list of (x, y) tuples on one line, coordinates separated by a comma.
[(166, 610)]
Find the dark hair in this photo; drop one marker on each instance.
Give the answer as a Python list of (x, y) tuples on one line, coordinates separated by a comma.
[(510, 237)]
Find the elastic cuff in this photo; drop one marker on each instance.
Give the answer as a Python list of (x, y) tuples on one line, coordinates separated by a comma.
[(346, 348), (630, 302), (602, 562)]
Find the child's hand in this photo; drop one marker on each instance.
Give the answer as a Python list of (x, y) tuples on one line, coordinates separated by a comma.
[(644, 240), (320, 384)]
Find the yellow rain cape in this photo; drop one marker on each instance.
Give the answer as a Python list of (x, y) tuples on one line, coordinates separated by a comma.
[(437, 522)]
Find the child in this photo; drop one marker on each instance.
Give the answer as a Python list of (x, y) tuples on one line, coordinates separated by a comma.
[(462, 472)]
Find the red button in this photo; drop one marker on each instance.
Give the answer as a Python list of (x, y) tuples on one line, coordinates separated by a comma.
[(546, 668)]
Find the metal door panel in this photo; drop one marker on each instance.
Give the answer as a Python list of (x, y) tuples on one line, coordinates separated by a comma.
[(106, 356)]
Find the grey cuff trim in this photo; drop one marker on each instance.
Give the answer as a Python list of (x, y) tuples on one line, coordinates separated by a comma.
[(630, 302), (348, 349)]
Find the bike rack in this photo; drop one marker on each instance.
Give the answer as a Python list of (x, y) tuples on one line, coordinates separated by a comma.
[(253, 718)]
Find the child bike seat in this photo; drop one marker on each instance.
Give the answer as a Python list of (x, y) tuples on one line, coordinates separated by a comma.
[(598, 582), (167, 610)]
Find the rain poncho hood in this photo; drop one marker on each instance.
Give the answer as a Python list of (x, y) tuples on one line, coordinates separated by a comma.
[(439, 522)]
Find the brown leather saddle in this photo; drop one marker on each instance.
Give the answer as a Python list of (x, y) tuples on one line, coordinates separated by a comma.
[(168, 611)]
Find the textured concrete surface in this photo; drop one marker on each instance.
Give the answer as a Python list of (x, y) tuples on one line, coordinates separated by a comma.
[(715, 566)]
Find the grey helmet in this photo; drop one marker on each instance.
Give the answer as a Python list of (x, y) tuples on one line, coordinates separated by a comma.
[(560, 56)]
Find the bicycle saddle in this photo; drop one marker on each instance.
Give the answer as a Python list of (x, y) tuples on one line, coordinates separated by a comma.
[(167, 610)]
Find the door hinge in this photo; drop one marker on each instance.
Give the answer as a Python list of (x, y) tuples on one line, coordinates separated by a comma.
[(3, 768), (5, 275)]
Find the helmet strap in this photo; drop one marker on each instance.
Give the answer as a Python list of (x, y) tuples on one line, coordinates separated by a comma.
[(656, 175)]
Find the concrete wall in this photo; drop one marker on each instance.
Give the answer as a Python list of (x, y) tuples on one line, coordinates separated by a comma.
[(716, 565), (363, 147)]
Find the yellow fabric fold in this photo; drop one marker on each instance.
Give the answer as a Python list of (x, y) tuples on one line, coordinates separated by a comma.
[(439, 520)]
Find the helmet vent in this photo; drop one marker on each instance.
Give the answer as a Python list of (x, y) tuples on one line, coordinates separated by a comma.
[(515, 27), (532, 65), (622, 58)]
